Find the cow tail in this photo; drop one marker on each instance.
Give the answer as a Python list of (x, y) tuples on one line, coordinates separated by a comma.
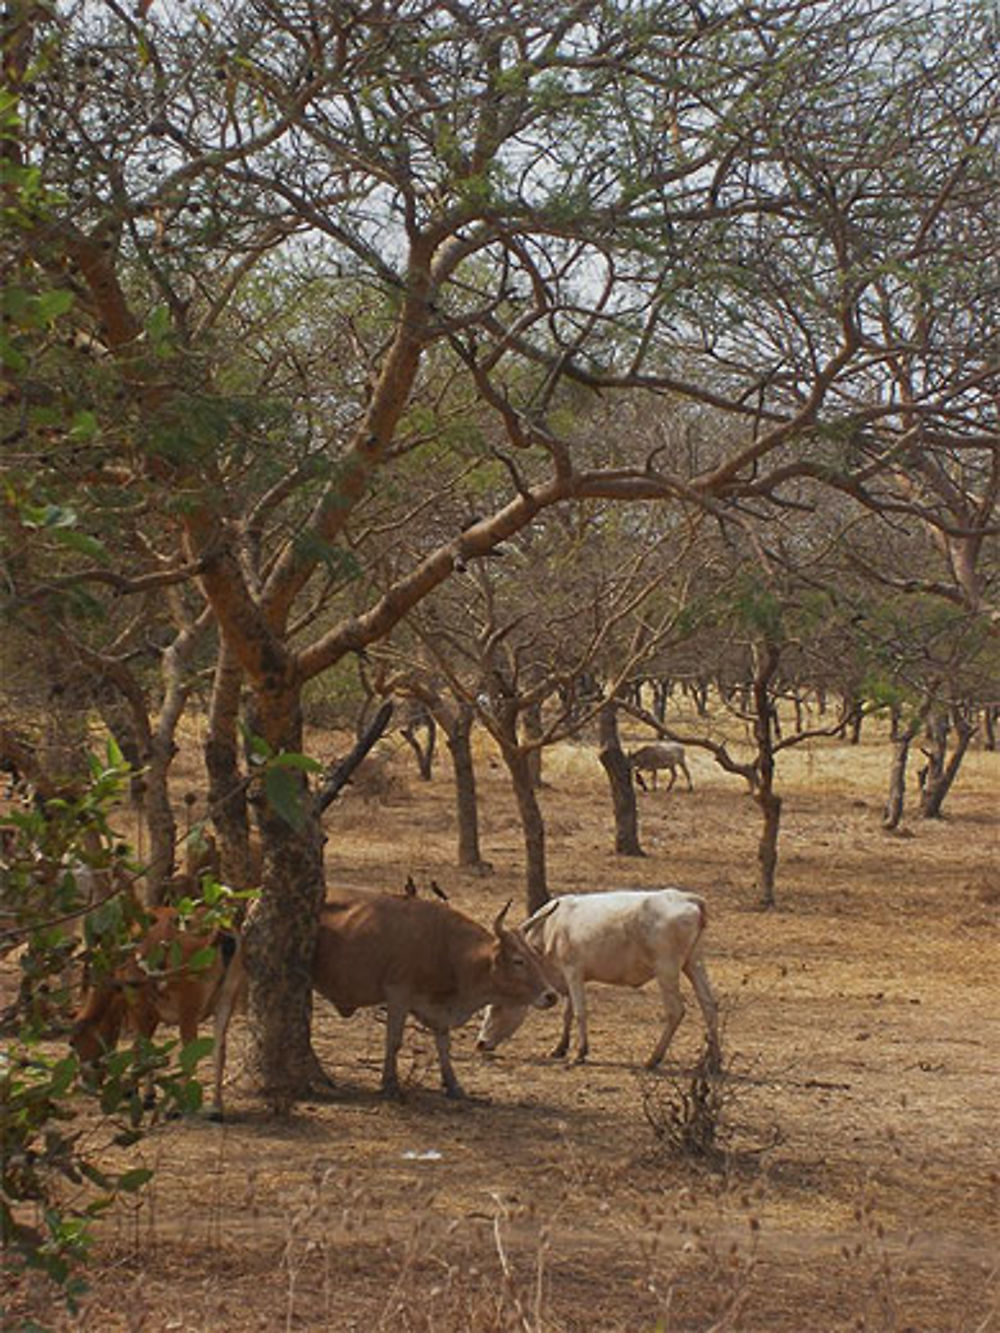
[(703, 916)]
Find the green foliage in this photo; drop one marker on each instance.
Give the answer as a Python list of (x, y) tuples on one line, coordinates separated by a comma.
[(53, 1186), (282, 777)]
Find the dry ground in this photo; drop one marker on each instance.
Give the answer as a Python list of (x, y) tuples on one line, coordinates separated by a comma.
[(862, 1036)]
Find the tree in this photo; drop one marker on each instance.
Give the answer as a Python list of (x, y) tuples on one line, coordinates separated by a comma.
[(538, 208)]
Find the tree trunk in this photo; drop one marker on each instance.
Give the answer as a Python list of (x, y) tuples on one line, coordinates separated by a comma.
[(765, 796), (532, 732), (990, 714), (227, 801), (280, 935), (424, 752), (902, 741), (893, 812), (532, 825), (459, 740), (941, 774), (160, 823), (280, 932), (615, 764), (767, 847)]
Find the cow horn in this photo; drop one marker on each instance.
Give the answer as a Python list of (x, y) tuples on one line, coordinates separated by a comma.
[(498, 923)]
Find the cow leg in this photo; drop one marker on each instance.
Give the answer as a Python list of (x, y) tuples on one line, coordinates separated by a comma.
[(687, 774), (694, 970), (673, 778), (394, 1024), (220, 1028), (144, 1019), (560, 1050), (578, 1001), (673, 1008), (452, 1086)]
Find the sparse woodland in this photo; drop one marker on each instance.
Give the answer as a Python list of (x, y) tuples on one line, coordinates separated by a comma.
[(570, 377)]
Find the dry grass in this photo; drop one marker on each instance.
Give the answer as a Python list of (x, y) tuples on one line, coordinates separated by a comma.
[(859, 1185)]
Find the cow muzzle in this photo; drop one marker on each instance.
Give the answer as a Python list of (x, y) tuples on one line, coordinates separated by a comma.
[(547, 999)]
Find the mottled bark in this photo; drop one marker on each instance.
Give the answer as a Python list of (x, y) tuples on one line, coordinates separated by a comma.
[(942, 770), (532, 723), (458, 735), (766, 665), (280, 938), (532, 826), (619, 772), (227, 799), (281, 930), (422, 749)]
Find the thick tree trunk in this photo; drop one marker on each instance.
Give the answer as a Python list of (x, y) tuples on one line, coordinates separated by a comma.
[(281, 930), (280, 935), (459, 740), (532, 825), (227, 801), (615, 764), (160, 823)]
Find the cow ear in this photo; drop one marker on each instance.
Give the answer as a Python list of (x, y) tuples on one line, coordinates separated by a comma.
[(498, 923)]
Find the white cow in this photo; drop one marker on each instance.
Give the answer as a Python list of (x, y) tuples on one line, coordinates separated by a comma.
[(661, 754), (623, 938)]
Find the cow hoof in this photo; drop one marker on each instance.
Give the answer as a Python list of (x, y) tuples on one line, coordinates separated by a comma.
[(558, 1053), (392, 1093), (215, 1116), (456, 1094), (580, 1058)]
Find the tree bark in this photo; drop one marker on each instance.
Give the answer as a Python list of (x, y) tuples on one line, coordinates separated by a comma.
[(532, 722), (458, 735), (227, 800), (619, 772), (767, 658), (280, 936), (160, 822), (941, 774), (532, 825), (424, 752), (280, 932)]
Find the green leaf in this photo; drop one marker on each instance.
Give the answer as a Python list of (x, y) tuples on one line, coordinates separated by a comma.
[(193, 1052), (84, 425), (11, 357), (53, 304), (289, 759), (130, 1181), (202, 958), (82, 542), (285, 795)]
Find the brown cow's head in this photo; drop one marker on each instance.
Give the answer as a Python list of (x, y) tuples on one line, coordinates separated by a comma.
[(517, 975), (506, 1014), (99, 1022)]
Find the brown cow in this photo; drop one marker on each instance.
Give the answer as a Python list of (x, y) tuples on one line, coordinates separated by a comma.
[(422, 958), (157, 986)]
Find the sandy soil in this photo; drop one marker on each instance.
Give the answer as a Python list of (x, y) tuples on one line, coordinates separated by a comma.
[(859, 1187)]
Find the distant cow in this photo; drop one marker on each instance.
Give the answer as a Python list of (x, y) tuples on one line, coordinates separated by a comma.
[(622, 938), (158, 985), (423, 958), (662, 754)]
